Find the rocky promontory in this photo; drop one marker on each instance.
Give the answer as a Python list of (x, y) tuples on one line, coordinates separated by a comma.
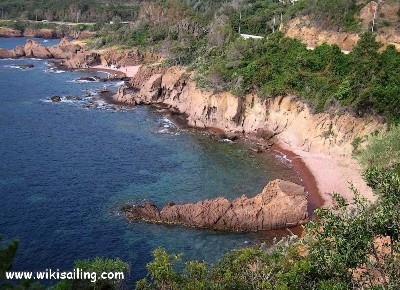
[(281, 204), (72, 55)]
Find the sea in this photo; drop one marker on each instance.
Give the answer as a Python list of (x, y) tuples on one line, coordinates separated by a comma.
[(67, 168)]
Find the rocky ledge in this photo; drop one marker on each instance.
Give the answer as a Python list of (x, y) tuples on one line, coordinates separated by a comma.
[(281, 204)]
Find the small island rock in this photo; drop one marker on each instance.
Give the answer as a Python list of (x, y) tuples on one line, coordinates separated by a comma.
[(55, 99)]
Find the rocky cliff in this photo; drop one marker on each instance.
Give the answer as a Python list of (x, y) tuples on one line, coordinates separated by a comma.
[(281, 204), (46, 33), (286, 118), (9, 32)]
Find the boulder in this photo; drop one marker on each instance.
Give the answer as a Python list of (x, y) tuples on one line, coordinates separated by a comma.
[(55, 99), (281, 204), (25, 66), (122, 97), (88, 79)]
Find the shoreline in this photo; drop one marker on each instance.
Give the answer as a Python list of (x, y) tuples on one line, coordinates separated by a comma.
[(123, 71), (315, 199), (321, 174), (308, 180)]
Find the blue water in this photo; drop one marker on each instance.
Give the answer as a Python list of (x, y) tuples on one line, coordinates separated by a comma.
[(66, 169), (10, 43)]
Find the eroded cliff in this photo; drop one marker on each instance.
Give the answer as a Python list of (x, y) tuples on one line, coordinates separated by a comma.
[(286, 118)]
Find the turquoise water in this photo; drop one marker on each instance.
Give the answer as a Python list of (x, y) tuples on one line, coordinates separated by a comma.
[(66, 169)]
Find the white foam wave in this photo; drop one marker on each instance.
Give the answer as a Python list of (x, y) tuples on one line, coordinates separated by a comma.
[(118, 84), (69, 100), (163, 131), (89, 93), (227, 141), (283, 158), (17, 67), (167, 123), (89, 103), (12, 66), (54, 71), (83, 81)]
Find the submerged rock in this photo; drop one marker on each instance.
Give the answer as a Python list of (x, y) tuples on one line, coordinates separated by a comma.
[(89, 79), (25, 66), (281, 204), (73, 98)]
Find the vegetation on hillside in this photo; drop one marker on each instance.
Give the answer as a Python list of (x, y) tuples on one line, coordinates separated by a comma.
[(365, 80), (68, 10), (204, 36)]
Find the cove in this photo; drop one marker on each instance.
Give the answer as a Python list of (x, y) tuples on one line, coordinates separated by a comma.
[(66, 169)]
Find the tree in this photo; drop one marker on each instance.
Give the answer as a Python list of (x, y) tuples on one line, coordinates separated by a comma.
[(7, 254)]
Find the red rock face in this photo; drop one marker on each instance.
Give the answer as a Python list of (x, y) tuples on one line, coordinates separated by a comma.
[(8, 32), (281, 204), (34, 49), (4, 53), (43, 33)]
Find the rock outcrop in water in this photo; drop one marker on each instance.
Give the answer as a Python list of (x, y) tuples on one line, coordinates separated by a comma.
[(73, 55), (281, 204)]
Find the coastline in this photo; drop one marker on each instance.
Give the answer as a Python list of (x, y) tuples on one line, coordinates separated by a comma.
[(321, 174)]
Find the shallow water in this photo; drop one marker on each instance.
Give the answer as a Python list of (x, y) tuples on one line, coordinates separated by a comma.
[(66, 169)]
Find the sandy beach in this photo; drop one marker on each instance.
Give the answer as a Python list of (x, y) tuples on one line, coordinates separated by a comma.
[(123, 71), (329, 174)]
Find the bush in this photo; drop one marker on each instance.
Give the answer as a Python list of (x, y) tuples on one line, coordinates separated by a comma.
[(383, 150)]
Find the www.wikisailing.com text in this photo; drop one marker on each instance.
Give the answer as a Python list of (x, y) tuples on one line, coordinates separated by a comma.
[(76, 274)]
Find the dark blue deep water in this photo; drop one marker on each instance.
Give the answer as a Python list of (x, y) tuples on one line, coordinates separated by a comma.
[(66, 169)]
